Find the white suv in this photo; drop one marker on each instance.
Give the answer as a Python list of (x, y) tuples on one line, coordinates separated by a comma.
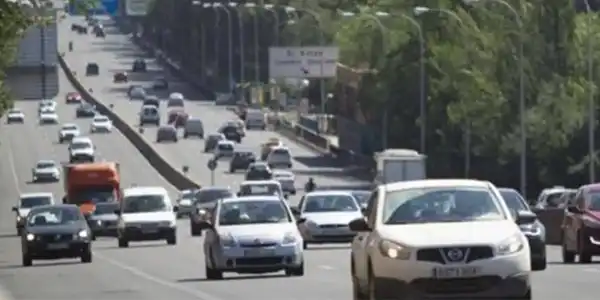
[(440, 238), (146, 214)]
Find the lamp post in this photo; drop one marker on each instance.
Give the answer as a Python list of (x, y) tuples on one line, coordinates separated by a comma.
[(521, 91), (241, 40), (256, 48), (229, 42), (216, 38), (420, 10), (195, 4)]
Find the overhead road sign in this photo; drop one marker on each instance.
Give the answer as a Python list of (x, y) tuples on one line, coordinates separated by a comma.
[(137, 8), (303, 62)]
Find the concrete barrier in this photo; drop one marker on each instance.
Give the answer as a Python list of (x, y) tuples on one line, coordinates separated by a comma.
[(174, 176), (552, 219)]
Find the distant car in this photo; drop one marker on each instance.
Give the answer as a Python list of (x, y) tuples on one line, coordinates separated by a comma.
[(73, 97), (45, 170), (92, 69), (280, 157), (85, 110), (581, 224), (205, 201), (81, 149), (551, 197), (15, 115), (325, 216), (139, 65), (241, 160), (136, 93), (47, 105), (287, 181), (67, 132), (259, 171), (535, 232), (261, 188), (212, 140), (177, 118), (48, 118), (266, 147), (224, 149), (151, 100), (100, 33), (185, 202), (255, 119), (231, 133), (28, 201), (166, 133), (149, 114), (258, 234), (101, 124), (193, 127), (176, 100), (160, 83), (103, 221), (54, 232), (120, 77)]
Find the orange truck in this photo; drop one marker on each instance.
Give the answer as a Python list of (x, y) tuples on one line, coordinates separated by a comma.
[(91, 183)]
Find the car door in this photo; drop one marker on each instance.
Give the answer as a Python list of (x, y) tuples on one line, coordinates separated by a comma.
[(361, 241), (570, 225)]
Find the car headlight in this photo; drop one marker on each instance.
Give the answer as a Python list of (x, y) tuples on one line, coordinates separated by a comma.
[(227, 241), (393, 250), (185, 202), (289, 238), (19, 219), (311, 225), (531, 229), (171, 223), (510, 245), (82, 234), (30, 237), (99, 222)]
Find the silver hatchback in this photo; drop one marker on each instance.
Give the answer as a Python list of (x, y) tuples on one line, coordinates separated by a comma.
[(166, 133)]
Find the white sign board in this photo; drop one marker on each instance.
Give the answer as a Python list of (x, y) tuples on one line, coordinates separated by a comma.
[(137, 8), (303, 62)]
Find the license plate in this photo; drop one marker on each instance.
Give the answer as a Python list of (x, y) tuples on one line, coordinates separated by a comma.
[(58, 246), (259, 252), (456, 272)]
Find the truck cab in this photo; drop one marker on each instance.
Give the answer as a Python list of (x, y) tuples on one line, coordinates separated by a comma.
[(395, 165), (86, 185)]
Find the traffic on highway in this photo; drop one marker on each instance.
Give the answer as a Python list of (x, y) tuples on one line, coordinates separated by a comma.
[(85, 213)]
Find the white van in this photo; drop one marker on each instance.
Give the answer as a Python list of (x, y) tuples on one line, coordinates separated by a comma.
[(255, 119), (176, 100)]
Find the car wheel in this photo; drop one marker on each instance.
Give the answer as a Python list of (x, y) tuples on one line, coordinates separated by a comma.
[(86, 256), (185, 135), (568, 257), (584, 256), (172, 240), (231, 170), (264, 128), (158, 140), (213, 274), (304, 244), (295, 271), (123, 243), (195, 231), (27, 261), (175, 140), (539, 264)]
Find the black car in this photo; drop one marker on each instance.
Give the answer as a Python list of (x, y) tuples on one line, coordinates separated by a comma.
[(103, 221), (205, 200), (259, 171), (535, 232), (139, 65), (231, 132), (241, 160), (212, 141), (85, 110), (92, 69), (160, 83), (55, 232), (120, 77)]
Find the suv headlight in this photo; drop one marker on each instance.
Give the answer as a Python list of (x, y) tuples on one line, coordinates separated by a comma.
[(393, 250), (82, 234), (289, 238), (510, 245), (532, 229), (227, 241), (30, 237)]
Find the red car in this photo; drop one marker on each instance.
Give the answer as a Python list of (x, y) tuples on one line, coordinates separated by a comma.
[(73, 97), (581, 225), (178, 118)]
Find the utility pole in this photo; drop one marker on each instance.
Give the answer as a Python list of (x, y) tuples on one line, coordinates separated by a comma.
[(43, 60)]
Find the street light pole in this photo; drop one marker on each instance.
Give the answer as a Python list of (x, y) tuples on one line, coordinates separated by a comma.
[(522, 112), (229, 42), (241, 40), (256, 48)]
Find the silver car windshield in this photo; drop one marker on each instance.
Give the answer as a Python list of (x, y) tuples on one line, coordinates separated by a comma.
[(53, 216), (252, 212), (330, 203)]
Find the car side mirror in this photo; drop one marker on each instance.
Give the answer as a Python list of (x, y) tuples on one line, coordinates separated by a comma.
[(117, 212), (525, 217), (573, 209), (300, 220), (239, 194), (15, 209), (205, 225), (359, 225), (175, 208)]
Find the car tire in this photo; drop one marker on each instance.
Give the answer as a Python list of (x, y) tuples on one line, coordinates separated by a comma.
[(584, 256), (264, 128), (194, 230), (123, 243), (231, 170), (568, 257), (26, 260), (539, 264), (185, 135), (175, 140), (213, 274), (295, 271), (86, 256), (158, 140), (172, 240), (304, 245)]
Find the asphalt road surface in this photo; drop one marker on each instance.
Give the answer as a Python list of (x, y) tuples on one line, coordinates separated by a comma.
[(116, 53)]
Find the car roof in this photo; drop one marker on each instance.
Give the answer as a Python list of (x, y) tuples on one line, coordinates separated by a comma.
[(43, 161), (81, 139), (144, 190), (430, 183), (252, 198), (69, 125), (506, 189), (282, 172), (100, 117), (36, 195), (329, 193), (148, 106), (280, 147), (257, 182)]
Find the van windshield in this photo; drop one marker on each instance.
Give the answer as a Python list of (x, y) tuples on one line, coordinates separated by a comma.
[(95, 194)]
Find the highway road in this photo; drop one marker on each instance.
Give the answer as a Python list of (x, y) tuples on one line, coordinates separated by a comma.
[(116, 53)]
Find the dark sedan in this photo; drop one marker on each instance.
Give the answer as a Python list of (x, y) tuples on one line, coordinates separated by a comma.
[(120, 77), (55, 232), (85, 110), (103, 221), (535, 232)]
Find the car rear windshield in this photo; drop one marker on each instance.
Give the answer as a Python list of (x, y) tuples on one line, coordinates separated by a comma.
[(208, 196), (29, 202)]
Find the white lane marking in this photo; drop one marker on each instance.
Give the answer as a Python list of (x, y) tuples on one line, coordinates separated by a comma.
[(591, 270), (328, 268), (144, 275), (13, 167)]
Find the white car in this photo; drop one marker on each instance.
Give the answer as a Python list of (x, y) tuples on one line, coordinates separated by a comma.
[(48, 117), (551, 197), (45, 170), (81, 149), (185, 202), (286, 179), (252, 235), (49, 105), (67, 132), (101, 124), (280, 157), (15, 115), (255, 118), (28, 201), (434, 238), (146, 214), (323, 217), (224, 148), (261, 188)]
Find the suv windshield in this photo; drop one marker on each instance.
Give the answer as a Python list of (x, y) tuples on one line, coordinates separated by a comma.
[(106, 209), (45, 165), (29, 202), (441, 204), (80, 145), (330, 203), (53, 216), (253, 212), (144, 203)]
